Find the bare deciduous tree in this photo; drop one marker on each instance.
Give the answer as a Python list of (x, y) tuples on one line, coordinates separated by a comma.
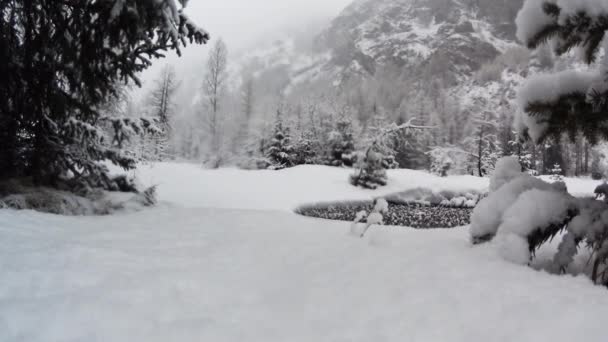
[(213, 89)]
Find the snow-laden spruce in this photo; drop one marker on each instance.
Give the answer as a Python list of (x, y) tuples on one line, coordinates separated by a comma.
[(533, 210), (568, 101), (506, 184)]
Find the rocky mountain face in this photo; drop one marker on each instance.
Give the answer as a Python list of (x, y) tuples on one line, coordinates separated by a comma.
[(451, 37), (424, 41)]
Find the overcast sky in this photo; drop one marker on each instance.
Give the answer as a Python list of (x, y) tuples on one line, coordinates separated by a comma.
[(239, 22)]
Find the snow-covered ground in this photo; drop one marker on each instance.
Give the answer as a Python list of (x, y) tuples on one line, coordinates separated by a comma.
[(224, 259), (190, 186)]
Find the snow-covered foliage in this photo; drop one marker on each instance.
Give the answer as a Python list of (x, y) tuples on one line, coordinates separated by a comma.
[(448, 160), (601, 192), (342, 144), (451, 199), (280, 152), (60, 73), (489, 212), (371, 167), (507, 169), (534, 211), (570, 100), (19, 195), (526, 213)]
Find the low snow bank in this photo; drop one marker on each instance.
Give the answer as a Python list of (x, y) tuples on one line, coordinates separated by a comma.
[(192, 186)]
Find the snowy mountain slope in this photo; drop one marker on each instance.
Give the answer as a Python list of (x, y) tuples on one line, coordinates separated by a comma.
[(449, 39), (203, 274)]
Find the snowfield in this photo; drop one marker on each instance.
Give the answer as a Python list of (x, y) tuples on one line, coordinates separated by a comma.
[(224, 259)]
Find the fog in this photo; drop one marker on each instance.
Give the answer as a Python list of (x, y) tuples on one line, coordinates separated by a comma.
[(239, 22), (242, 24)]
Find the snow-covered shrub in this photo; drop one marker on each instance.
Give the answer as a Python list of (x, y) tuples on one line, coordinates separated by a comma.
[(448, 160), (424, 196), (488, 213), (601, 191), (536, 216), (556, 173), (370, 171), (376, 217), (341, 145), (380, 155), (22, 195), (254, 163), (507, 169)]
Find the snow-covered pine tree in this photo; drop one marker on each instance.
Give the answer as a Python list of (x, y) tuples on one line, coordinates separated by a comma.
[(448, 159), (162, 107), (61, 62), (569, 101), (557, 174), (280, 151), (305, 149), (342, 144), (371, 166)]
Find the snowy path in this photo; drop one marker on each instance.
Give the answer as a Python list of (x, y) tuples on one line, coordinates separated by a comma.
[(181, 273)]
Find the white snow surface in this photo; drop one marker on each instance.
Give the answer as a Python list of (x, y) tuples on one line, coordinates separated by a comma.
[(190, 186), (506, 169), (223, 259)]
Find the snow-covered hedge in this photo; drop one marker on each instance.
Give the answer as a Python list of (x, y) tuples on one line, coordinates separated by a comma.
[(452, 199), (522, 213)]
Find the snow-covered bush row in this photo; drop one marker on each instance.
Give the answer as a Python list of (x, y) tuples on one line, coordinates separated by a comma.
[(452, 199), (522, 213), (22, 196)]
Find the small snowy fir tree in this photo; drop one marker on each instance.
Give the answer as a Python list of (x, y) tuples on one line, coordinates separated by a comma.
[(342, 144), (305, 149), (371, 167), (557, 173), (280, 152)]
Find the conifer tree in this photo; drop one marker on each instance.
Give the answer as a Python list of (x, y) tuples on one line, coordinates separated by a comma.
[(570, 101), (61, 61), (280, 151), (371, 167), (341, 144)]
